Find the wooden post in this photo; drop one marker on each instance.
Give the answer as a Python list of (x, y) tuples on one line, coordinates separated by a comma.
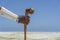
[(28, 11), (25, 29)]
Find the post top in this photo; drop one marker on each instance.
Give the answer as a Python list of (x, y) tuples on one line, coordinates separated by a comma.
[(32, 8)]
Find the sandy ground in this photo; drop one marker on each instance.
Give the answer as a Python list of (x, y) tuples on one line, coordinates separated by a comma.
[(30, 35)]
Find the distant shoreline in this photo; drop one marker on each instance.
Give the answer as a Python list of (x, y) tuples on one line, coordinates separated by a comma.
[(30, 32)]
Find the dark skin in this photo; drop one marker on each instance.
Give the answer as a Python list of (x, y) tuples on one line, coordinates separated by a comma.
[(24, 19), (0, 8)]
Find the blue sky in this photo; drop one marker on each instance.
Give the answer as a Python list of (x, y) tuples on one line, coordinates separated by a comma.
[(46, 17)]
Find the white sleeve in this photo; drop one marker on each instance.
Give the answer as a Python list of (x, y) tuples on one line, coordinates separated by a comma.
[(8, 14)]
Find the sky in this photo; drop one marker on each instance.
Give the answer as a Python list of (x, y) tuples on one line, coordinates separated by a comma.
[(46, 17)]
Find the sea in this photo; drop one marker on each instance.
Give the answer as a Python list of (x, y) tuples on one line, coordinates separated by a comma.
[(30, 35)]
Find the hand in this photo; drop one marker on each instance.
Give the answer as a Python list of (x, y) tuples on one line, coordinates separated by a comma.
[(24, 19)]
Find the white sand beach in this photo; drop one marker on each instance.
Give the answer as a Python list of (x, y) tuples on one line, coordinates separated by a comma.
[(30, 35)]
